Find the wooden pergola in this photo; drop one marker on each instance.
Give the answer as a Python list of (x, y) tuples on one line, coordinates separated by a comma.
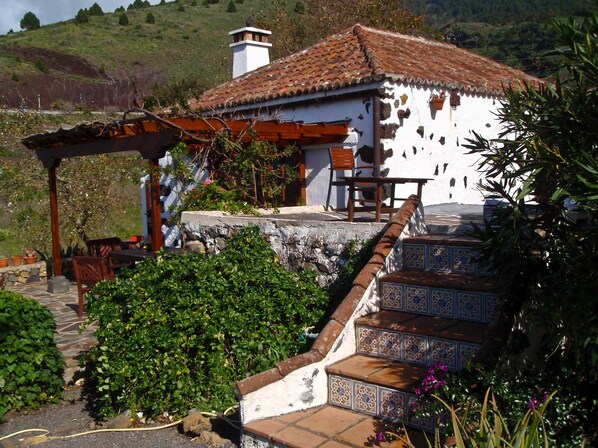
[(152, 135)]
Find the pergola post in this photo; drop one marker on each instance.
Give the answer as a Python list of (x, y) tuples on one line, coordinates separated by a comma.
[(57, 283), (156, 208)]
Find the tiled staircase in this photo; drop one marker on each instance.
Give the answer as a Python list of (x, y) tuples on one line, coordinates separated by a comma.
[(435, 310)]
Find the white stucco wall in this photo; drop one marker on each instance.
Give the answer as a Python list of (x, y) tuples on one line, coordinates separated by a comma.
[(438, 154)]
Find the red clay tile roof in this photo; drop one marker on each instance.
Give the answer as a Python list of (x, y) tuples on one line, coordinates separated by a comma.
[(361, 55)]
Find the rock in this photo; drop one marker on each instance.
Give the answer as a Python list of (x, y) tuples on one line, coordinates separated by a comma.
[(196, 247), (196, 424), (30, 441), (121, 421)]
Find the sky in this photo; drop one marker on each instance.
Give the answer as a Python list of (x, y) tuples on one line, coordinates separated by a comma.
[(50, 11)]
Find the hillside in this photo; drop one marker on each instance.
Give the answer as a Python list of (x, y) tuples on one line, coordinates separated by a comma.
[(101, 63)]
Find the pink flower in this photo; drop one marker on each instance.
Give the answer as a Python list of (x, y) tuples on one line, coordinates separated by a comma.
[(207, 182), (381, 437)]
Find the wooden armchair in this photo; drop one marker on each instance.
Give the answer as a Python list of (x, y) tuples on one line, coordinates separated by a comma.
[(102, 247), (342, 160), (88, 272)]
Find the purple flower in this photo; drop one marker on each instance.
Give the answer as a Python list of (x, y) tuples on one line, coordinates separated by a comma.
[(381, 437), (418, 391)]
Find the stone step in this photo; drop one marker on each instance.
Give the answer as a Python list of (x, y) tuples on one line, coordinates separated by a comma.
[(325, 427), (442, 253), (378, 387), (454, 296), (417, 339)]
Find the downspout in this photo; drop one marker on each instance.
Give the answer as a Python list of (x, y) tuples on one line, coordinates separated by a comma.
[(377, 133)]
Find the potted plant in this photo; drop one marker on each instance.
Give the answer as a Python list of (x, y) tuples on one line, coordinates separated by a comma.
[(17, 260), (3, 261), (30, 256), (437, 100)]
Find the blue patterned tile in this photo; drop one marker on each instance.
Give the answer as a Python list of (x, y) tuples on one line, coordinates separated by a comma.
[(444, 352), (469, 306), (392, 297), (493, 302), (390, 343), (340, 391), (463, 260), (415, 348), (392, 404), (442, 302), (466, 353), (367, 340), (417, 299), (365, 398), (414, 256), (438, 259)]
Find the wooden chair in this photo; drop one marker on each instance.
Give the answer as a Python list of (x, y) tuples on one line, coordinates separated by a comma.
[(342, 159), (88, 272), (102, 247)]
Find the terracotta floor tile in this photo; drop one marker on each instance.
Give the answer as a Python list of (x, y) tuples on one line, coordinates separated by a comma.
[(362, 434), (466, 331), (265, 428), (399, 376), (333, 444), (330, 420), (298, 438), (357, 366)]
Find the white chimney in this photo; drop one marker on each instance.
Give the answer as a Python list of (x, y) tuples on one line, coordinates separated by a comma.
[(250, 49)]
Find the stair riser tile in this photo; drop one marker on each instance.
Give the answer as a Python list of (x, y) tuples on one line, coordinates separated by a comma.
[(432, 301), (441, 258), (414, 348), (366, 398)]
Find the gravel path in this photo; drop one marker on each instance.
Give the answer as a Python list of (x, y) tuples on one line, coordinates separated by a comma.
[(70, 417)]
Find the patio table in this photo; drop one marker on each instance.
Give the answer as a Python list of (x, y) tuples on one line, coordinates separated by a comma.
[(380, 182)]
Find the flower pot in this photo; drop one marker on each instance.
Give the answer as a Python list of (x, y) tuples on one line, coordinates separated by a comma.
[(30, 260), (437, 103), (17, 260), (3, 262)]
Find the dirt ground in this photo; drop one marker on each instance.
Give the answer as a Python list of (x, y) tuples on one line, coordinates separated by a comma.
[(73, 416)]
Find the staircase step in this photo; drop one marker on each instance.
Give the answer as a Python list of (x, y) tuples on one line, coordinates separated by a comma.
[(378, 387), (455, 296), (326, 427), (422, 340), (442, 253)]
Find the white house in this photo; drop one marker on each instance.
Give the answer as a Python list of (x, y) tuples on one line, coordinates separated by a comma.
[(382, 82)]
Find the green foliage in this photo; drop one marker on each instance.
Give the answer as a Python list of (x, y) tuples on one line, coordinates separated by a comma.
[(150, 18), (95, 10), (177, 93), (30, 21), (257, 171), (181, 8), (82, 16), (119, 9), (546, 255), (231, 6), (30, 364), (41, 66), (211, 196), (123, 19), (176, 332)]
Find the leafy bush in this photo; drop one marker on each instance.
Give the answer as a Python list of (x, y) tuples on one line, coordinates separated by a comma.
[(211, 196), (30, 364), (176, 332)]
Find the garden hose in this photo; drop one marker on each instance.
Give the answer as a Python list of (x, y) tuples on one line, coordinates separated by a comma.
[(94, 431)]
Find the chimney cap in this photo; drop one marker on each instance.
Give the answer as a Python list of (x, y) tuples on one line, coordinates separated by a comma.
[(251, 29)]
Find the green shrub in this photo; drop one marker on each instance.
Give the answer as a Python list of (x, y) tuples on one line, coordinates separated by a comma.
[(176, 332), (30, 364), (211, 196), (123, 19)]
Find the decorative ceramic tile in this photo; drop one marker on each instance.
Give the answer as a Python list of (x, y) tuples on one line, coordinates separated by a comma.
[(389, 344), (463, 260), (367, 340), (366, 398), (493, 301), (442, 302), (417, 299), (445, 352), (415, 348), (466, 353), (392, 404), (427, 424), (392, 297), (438, 258), (340, 391), (469, 306), (414, 256)]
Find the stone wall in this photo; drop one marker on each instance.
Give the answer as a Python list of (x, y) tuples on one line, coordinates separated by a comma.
[(26, 273), (299, 242)]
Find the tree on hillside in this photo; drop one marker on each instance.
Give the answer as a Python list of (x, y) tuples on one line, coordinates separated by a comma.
[(30, 21), (96, 10), (123, 19), (150, 18), (231, 6), (82, 16)]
